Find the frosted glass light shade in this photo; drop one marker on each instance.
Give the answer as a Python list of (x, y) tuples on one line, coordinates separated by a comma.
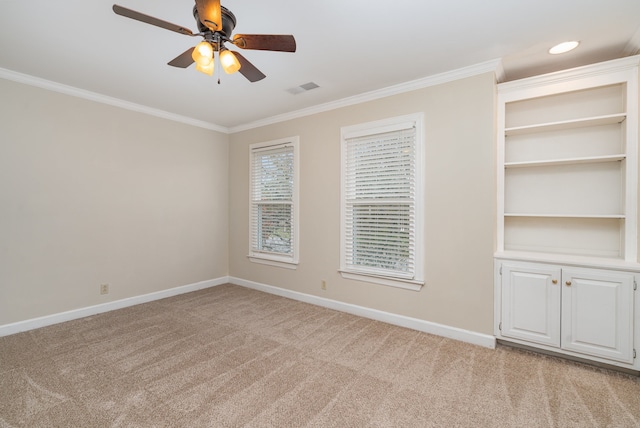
[(206, 68), (229, 62), (203, 53)]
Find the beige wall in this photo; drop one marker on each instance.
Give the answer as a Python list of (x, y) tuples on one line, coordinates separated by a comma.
[(459, 215), (93, 194)]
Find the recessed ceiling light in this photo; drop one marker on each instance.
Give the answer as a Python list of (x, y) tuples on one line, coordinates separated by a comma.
[(563, 47)]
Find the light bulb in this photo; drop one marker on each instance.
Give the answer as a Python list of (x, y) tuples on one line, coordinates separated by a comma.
[(229, 62), (203, 53)]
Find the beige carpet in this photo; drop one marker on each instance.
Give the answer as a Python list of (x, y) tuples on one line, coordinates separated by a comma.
[(232, 357)]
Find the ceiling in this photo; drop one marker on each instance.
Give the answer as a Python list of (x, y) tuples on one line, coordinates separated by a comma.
[(347, 47)]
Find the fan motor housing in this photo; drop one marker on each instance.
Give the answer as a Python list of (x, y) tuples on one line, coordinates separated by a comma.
[(228, 21)]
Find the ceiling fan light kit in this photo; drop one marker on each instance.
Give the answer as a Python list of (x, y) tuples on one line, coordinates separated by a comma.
[(215, 25)]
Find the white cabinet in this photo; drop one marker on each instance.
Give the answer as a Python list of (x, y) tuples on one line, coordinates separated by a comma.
[(531, 303), (585, 312), (567, 212), (597, 313)]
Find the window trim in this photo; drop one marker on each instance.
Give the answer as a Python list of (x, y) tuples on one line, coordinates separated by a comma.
[(282, 261), (377, 127)]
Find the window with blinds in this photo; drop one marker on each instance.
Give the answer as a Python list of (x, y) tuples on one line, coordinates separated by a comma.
[(273, 218), (380, 199)]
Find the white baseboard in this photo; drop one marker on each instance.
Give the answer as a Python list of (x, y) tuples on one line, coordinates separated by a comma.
[(472, 337), (8, 329), (462, 335)]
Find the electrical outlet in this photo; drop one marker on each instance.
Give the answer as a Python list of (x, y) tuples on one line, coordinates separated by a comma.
[(323, 284), (104, 288)]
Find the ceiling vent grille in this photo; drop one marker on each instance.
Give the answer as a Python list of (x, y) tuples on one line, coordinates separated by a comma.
[(303, 88)]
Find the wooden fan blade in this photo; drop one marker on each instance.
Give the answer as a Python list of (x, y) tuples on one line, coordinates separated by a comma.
[(249, 70), (210, 14), (123, 11), (183, 60), (265, 42)]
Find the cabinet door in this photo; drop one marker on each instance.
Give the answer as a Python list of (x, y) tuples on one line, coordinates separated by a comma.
[(597, 313), (531, 303)]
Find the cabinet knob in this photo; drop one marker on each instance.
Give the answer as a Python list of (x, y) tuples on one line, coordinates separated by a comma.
[(554, 281), (568, 283)]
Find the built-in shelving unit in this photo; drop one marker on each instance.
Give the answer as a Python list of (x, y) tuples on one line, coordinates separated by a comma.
[(568, 203), (568, 163)]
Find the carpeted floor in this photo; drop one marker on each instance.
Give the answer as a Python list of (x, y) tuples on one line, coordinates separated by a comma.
[(233, 357)]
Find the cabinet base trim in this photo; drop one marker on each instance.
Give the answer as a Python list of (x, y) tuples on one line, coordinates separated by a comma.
[(589, 362)]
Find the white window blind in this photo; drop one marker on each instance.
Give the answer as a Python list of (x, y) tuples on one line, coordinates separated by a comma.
[(272, 218), (380, 202)]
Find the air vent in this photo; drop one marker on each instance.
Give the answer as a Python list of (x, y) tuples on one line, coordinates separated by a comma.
[(302, 88)]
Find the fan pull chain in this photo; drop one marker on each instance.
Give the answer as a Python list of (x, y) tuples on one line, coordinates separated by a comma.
[(219, 63)]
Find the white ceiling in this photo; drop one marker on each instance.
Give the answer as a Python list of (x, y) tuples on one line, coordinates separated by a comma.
[(347, 47)]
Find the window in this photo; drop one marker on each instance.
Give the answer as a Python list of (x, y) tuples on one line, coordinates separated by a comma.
[(381, 224), (274, 202)]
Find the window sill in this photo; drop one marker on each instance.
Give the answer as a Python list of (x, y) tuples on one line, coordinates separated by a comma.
[(407, 284), (274, 262)]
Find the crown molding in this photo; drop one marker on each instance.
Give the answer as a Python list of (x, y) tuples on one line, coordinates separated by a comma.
[(494, 66), (104, 99), (563, 76), (501, 74), (633, 47)]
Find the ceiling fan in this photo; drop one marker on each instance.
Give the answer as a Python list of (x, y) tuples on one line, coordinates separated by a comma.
[(215, 25)]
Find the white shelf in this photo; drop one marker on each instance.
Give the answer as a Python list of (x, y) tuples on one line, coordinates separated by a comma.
[(567, 161), (567, 124), (597, 216)]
